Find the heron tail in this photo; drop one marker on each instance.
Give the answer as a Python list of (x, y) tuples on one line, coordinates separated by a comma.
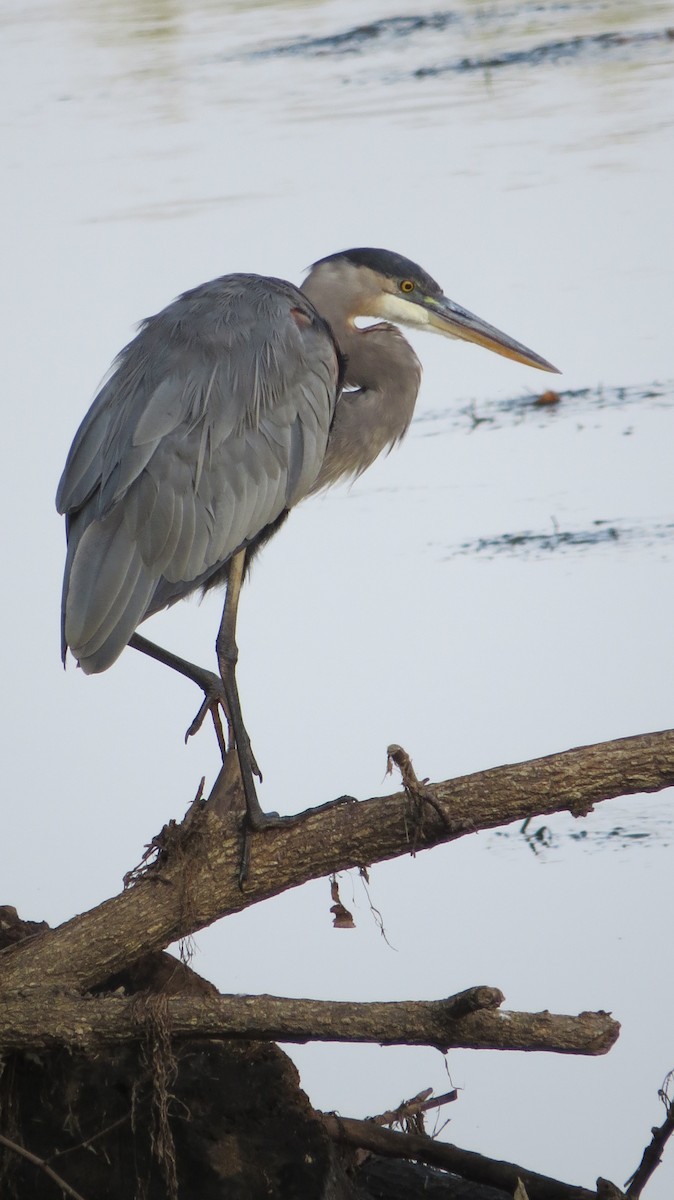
[(106, 592)]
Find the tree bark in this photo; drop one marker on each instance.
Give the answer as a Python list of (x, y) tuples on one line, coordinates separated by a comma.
[(197, 878), (42, 1020)]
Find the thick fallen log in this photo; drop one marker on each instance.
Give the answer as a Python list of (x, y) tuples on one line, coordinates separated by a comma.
[(197, 877)]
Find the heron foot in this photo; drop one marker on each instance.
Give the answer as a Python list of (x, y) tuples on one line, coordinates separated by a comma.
[(265, 820), (255, 821), (215, 699), (215, 694)]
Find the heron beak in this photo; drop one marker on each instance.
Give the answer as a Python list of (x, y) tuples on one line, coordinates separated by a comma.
[(450, 319)]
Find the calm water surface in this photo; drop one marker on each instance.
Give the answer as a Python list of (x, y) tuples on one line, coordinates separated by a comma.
[(497, 589)]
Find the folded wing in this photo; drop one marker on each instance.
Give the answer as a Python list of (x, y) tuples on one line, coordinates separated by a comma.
[(214, 422)]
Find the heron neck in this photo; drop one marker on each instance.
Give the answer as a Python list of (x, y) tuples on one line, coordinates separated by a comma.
[(374, 411)]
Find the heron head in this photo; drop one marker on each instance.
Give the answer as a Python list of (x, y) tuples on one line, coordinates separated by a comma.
[(380, 283)]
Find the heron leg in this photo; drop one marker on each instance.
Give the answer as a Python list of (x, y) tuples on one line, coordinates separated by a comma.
[(210, 684), (228, 653)]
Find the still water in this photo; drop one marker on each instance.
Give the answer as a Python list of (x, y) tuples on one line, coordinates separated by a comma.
[(497, 589)]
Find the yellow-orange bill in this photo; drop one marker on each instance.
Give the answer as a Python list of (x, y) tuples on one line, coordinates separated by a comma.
[(450, 319)]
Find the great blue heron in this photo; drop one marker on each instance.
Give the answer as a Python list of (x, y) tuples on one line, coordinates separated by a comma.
[(238, 400)]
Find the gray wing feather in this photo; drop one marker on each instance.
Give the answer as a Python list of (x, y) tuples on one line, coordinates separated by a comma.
[(214, 421), (107, 570), (156, 530)]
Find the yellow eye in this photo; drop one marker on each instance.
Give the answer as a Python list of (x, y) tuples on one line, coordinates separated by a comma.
[(407, 285)]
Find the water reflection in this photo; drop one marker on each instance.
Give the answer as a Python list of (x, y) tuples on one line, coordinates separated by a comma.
[(378, 35), (126, 22), (576, 404), (561, 836)]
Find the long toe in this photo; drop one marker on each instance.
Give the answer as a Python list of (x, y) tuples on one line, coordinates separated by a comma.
[(211, 706)]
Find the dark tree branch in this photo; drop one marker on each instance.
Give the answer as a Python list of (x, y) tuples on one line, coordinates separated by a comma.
[(39, 1162), (197, 880), (466, 1163), (652, 1155)]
